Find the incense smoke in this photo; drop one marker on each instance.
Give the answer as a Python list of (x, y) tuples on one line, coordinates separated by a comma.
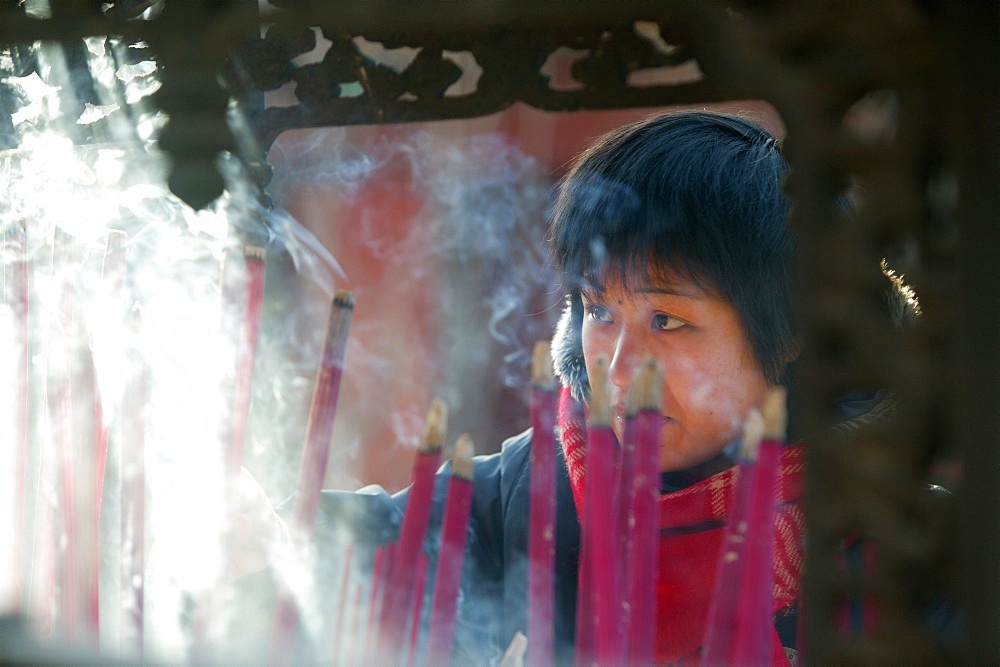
[(131, 338), (456, 224), (112, 293)]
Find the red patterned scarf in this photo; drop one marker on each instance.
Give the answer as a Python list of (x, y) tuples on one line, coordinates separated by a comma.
[(692, 526)]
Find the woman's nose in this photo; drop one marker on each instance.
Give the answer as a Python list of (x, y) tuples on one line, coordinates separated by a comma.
[(629, 351)]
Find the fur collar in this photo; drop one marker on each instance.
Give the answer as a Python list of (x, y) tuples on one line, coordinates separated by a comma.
[(567, 350)]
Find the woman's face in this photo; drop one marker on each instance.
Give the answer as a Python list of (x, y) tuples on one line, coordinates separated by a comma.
[(710, 379)]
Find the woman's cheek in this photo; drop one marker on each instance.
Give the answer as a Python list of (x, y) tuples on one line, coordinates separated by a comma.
[(696, 389), (713, 399)]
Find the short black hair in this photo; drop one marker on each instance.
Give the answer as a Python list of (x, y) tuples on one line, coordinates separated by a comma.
[(699, 193)]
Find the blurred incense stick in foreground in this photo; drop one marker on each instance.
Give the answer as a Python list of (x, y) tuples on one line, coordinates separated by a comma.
[(132, 470), (399, 598), (315, 454), (719, 630), (113, 268), (242, 296), (542, 508), (113, 278), (641, 567), (322, 412), (16, 295), (248, 297), (740, 628), (451, 556), (600, 521), (754, 635)]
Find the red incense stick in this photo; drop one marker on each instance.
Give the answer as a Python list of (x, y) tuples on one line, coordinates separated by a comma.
[(625, 528), (243, 292), (341, 613), (585, 645), (86, 452), (542, 509), (113, 279), (413, 627), (383, 559), (315, 454), (62, 349), (754, 629), (645, 415), (399, 595), (600, 516), (312, 469), (133, 496), (451, 555), (42, 586), (18, 297), (354, 638), (249, 328), (113, 275), (723, 608)]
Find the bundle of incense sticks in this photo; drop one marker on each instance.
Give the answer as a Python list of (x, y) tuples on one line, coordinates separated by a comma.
[(542, 508), (616, 615), (740, 621), (399, 598), (315, 455), (641, 525), (600, 521), (451, 555), (248, 296), (242, 296)]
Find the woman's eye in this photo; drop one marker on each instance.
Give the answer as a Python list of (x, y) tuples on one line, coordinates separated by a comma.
[(667, 322), (598, 313)]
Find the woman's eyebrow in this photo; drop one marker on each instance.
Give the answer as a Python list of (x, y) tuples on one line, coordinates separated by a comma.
[(669, 290)]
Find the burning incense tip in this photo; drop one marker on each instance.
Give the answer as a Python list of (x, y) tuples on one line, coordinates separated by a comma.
[(542, 375), (253, 251), (514, 655), (344, 299), (461, 461), (435, 426), (646, 389), (775, 413), (600, 409), (116, 238), (753, 433)]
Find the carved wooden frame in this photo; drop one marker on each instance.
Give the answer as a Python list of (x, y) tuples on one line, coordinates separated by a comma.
[(894, 97)]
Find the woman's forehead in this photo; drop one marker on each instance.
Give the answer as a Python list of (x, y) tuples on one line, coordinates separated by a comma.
[(653, 278)]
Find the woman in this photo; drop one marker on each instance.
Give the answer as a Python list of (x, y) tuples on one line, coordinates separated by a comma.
[(671, 240)]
